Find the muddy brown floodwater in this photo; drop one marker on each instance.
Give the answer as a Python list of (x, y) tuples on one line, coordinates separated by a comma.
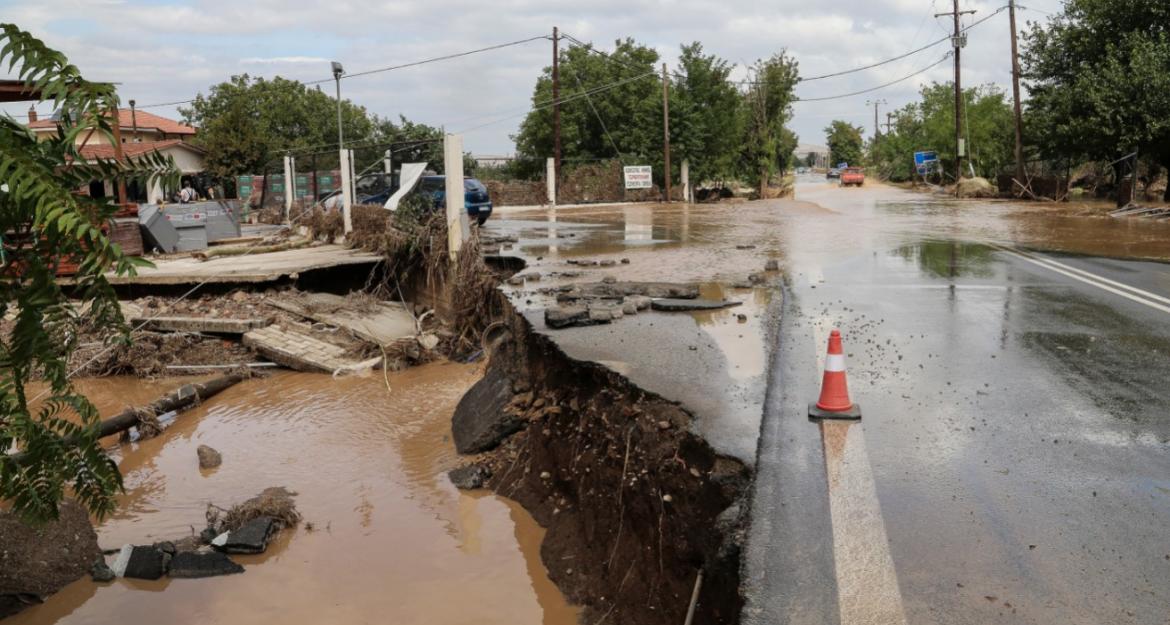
[(392, 540)]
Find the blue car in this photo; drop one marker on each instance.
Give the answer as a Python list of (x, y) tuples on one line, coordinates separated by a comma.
[(475, 196)]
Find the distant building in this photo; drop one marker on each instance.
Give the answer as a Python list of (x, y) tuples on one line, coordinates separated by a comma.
[(803, 150), (491, 160), (142, 133)]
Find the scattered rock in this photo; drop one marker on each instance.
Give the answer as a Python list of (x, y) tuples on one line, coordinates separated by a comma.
[(208, 457), (756, 278), (745, 247), (251, 538), (742, 318), (640, 302), (609, 262), (676, 305), (190, 564), (772, 265), (603, 314), (618, 290), (609, 280), (469, 477), (101, 572), (207, 535), (625, 261), (629, 308), (531, 276), (481, 420), (516, 281)]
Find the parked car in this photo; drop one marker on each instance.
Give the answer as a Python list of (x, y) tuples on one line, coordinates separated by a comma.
[(475, 196), (833, 173), (853, 176)]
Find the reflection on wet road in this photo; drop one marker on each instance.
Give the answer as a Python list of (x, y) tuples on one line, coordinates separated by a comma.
[(391, 539), (1014, 420)]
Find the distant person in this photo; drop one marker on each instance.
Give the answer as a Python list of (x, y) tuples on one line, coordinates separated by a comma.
[(187, 195)]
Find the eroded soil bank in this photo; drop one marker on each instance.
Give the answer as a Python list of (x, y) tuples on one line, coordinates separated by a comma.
[(385, 536), (635, 504)]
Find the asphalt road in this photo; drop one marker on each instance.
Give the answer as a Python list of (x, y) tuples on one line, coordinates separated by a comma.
[(1013, 460)]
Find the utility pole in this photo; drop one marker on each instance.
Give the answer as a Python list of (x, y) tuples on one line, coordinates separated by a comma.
[(556, 89), (666, 127), (889, 122), (1016, 95), (877, 131), (958, 41)]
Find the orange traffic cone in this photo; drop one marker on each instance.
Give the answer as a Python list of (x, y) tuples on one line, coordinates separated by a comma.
[(834, 402)]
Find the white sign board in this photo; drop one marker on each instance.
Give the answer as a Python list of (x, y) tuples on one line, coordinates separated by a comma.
[(638, 177)]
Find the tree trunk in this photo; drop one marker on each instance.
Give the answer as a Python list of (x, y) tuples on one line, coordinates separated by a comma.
[(182, 397)]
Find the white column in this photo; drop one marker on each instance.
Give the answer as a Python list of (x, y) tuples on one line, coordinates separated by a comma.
[(346, 157), (288, 186), (686, 180), (458, 229), (550, 176), (387, 163)]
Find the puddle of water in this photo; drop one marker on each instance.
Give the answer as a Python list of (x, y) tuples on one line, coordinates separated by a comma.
[(392, 539), (740, 341)]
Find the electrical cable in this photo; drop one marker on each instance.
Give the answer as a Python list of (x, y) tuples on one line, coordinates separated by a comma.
[(599, 119), (883, 86), (384, 69)]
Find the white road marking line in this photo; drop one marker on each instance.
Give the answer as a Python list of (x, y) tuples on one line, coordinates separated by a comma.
[(1089, 274), (867, 584), (1096, 281)]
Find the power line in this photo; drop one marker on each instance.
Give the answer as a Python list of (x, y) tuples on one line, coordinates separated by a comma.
[(379, 70), (883, 86)]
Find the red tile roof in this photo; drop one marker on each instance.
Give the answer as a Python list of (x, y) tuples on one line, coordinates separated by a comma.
[(106, 152), (146, 121)]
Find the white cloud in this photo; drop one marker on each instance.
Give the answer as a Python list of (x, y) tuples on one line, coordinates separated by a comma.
[(168, 52)]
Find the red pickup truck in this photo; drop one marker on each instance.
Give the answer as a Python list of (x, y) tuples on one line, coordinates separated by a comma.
[(852, 176)]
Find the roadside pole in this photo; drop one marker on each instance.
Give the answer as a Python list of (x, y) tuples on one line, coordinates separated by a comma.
[(346, 188), (387, 163), (550, 181), (666, 129), (117, 128), (957, 44), (458, 230), (289, 181), (556, 94), (1016, 95), (685, 174)]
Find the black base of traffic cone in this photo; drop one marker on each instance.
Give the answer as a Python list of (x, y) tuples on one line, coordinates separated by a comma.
[(853, 414)]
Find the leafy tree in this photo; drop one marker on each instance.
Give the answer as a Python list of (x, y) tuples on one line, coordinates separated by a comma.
[(810, 160), (845, 143), (247, 124), (705, 121), (768, 145), (929, 124), (45, 223), (621, 117), (1098, 81)]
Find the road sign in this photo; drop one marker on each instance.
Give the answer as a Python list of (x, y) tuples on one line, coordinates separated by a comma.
[(637, 177), (925, 157)]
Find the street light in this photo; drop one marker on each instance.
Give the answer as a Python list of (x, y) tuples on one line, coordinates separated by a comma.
[(338, 70)]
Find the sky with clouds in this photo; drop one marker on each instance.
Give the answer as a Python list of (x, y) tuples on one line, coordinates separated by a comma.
[(166, 50)]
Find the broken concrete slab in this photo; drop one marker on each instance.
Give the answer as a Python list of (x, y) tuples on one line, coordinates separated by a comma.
[(207, 325), (482, 421), (298, 351), (469, 477), (566, 316), (619, 290), (382, 322), (251, 538), (678, 305), (140, 562), (196, 564), (247, 268)]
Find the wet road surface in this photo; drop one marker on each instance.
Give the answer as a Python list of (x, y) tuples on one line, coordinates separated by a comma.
[(392, 540), (1013, 461)]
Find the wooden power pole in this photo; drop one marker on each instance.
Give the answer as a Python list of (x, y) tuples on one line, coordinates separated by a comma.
[(889, 122), (556, 92), (1016, 95), (957, 42), (666, 127)]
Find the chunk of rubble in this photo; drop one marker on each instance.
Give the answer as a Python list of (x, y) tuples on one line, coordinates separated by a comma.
[(196, 564), (618, 290), (482, 419), (252, 537), (566, 316), (140, 562), (470, 477), (678, 305), (209, 458)]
